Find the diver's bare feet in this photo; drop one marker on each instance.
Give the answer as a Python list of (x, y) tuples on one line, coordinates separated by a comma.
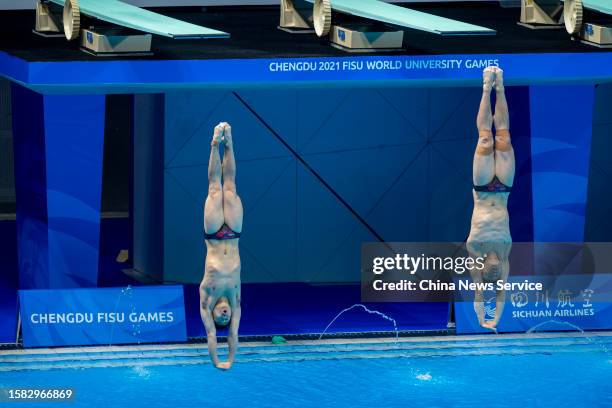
[(488, 76), (217, 135), (499, 79), (227, 134)]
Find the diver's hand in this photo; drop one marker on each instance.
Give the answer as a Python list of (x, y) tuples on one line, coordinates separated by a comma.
[(491, 325), (224, 366)]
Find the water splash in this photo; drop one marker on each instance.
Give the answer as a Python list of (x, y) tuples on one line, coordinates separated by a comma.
[(592, 340), (424, 377), (128, 292), (141, 371), (125, 292), (557, 322), (374, 312)]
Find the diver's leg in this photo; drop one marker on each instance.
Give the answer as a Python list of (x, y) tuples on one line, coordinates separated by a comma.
[(213, 208), (232, 205), (504, 153), (484, 159)]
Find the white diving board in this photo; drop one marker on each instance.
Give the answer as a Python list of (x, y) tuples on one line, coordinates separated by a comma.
[(408, 18), (602, 6), (123, 14)]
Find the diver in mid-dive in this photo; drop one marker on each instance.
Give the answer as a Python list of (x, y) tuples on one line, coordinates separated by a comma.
[(493, 176), (220, 288)]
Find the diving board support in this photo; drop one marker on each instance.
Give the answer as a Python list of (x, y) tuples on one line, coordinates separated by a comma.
[(48, 20), (539, 16), (366, 38), (317, 14), (71, 17), (596, 35), (295, 16), (114, 42)]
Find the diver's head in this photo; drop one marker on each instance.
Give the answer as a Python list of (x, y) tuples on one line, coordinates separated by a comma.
[(492, 267), (222, 313)]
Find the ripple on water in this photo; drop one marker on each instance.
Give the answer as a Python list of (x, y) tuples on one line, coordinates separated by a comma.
[(141, 371)]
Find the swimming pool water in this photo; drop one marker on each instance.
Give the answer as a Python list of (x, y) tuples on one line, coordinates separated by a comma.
[(509, 372)]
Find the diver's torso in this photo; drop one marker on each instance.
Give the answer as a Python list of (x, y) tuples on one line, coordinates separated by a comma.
[(222, 266), (490, 219)]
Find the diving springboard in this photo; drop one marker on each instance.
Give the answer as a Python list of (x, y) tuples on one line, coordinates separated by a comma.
[(123, 14), (404, 17), (601, 6)]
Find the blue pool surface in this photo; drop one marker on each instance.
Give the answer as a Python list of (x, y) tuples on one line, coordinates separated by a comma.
[(500, 371)]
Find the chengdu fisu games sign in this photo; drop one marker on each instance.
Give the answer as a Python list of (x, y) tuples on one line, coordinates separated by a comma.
[(148, 314)]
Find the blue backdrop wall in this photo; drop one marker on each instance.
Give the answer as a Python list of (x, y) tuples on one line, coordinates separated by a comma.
[(599, 202), (397, 159), (321, 171)]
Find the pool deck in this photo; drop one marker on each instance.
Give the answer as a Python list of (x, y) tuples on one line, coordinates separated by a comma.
[(414, 347)]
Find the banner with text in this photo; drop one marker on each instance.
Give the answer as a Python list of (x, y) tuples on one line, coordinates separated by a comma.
[(572, 303), (497, 286), (67, 317)]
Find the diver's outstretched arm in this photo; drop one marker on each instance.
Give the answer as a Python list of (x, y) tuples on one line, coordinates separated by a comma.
[(478, 298), (211, 336), (479, 306), (500, 297), (232, 339), (500, 302), (211, 330)]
